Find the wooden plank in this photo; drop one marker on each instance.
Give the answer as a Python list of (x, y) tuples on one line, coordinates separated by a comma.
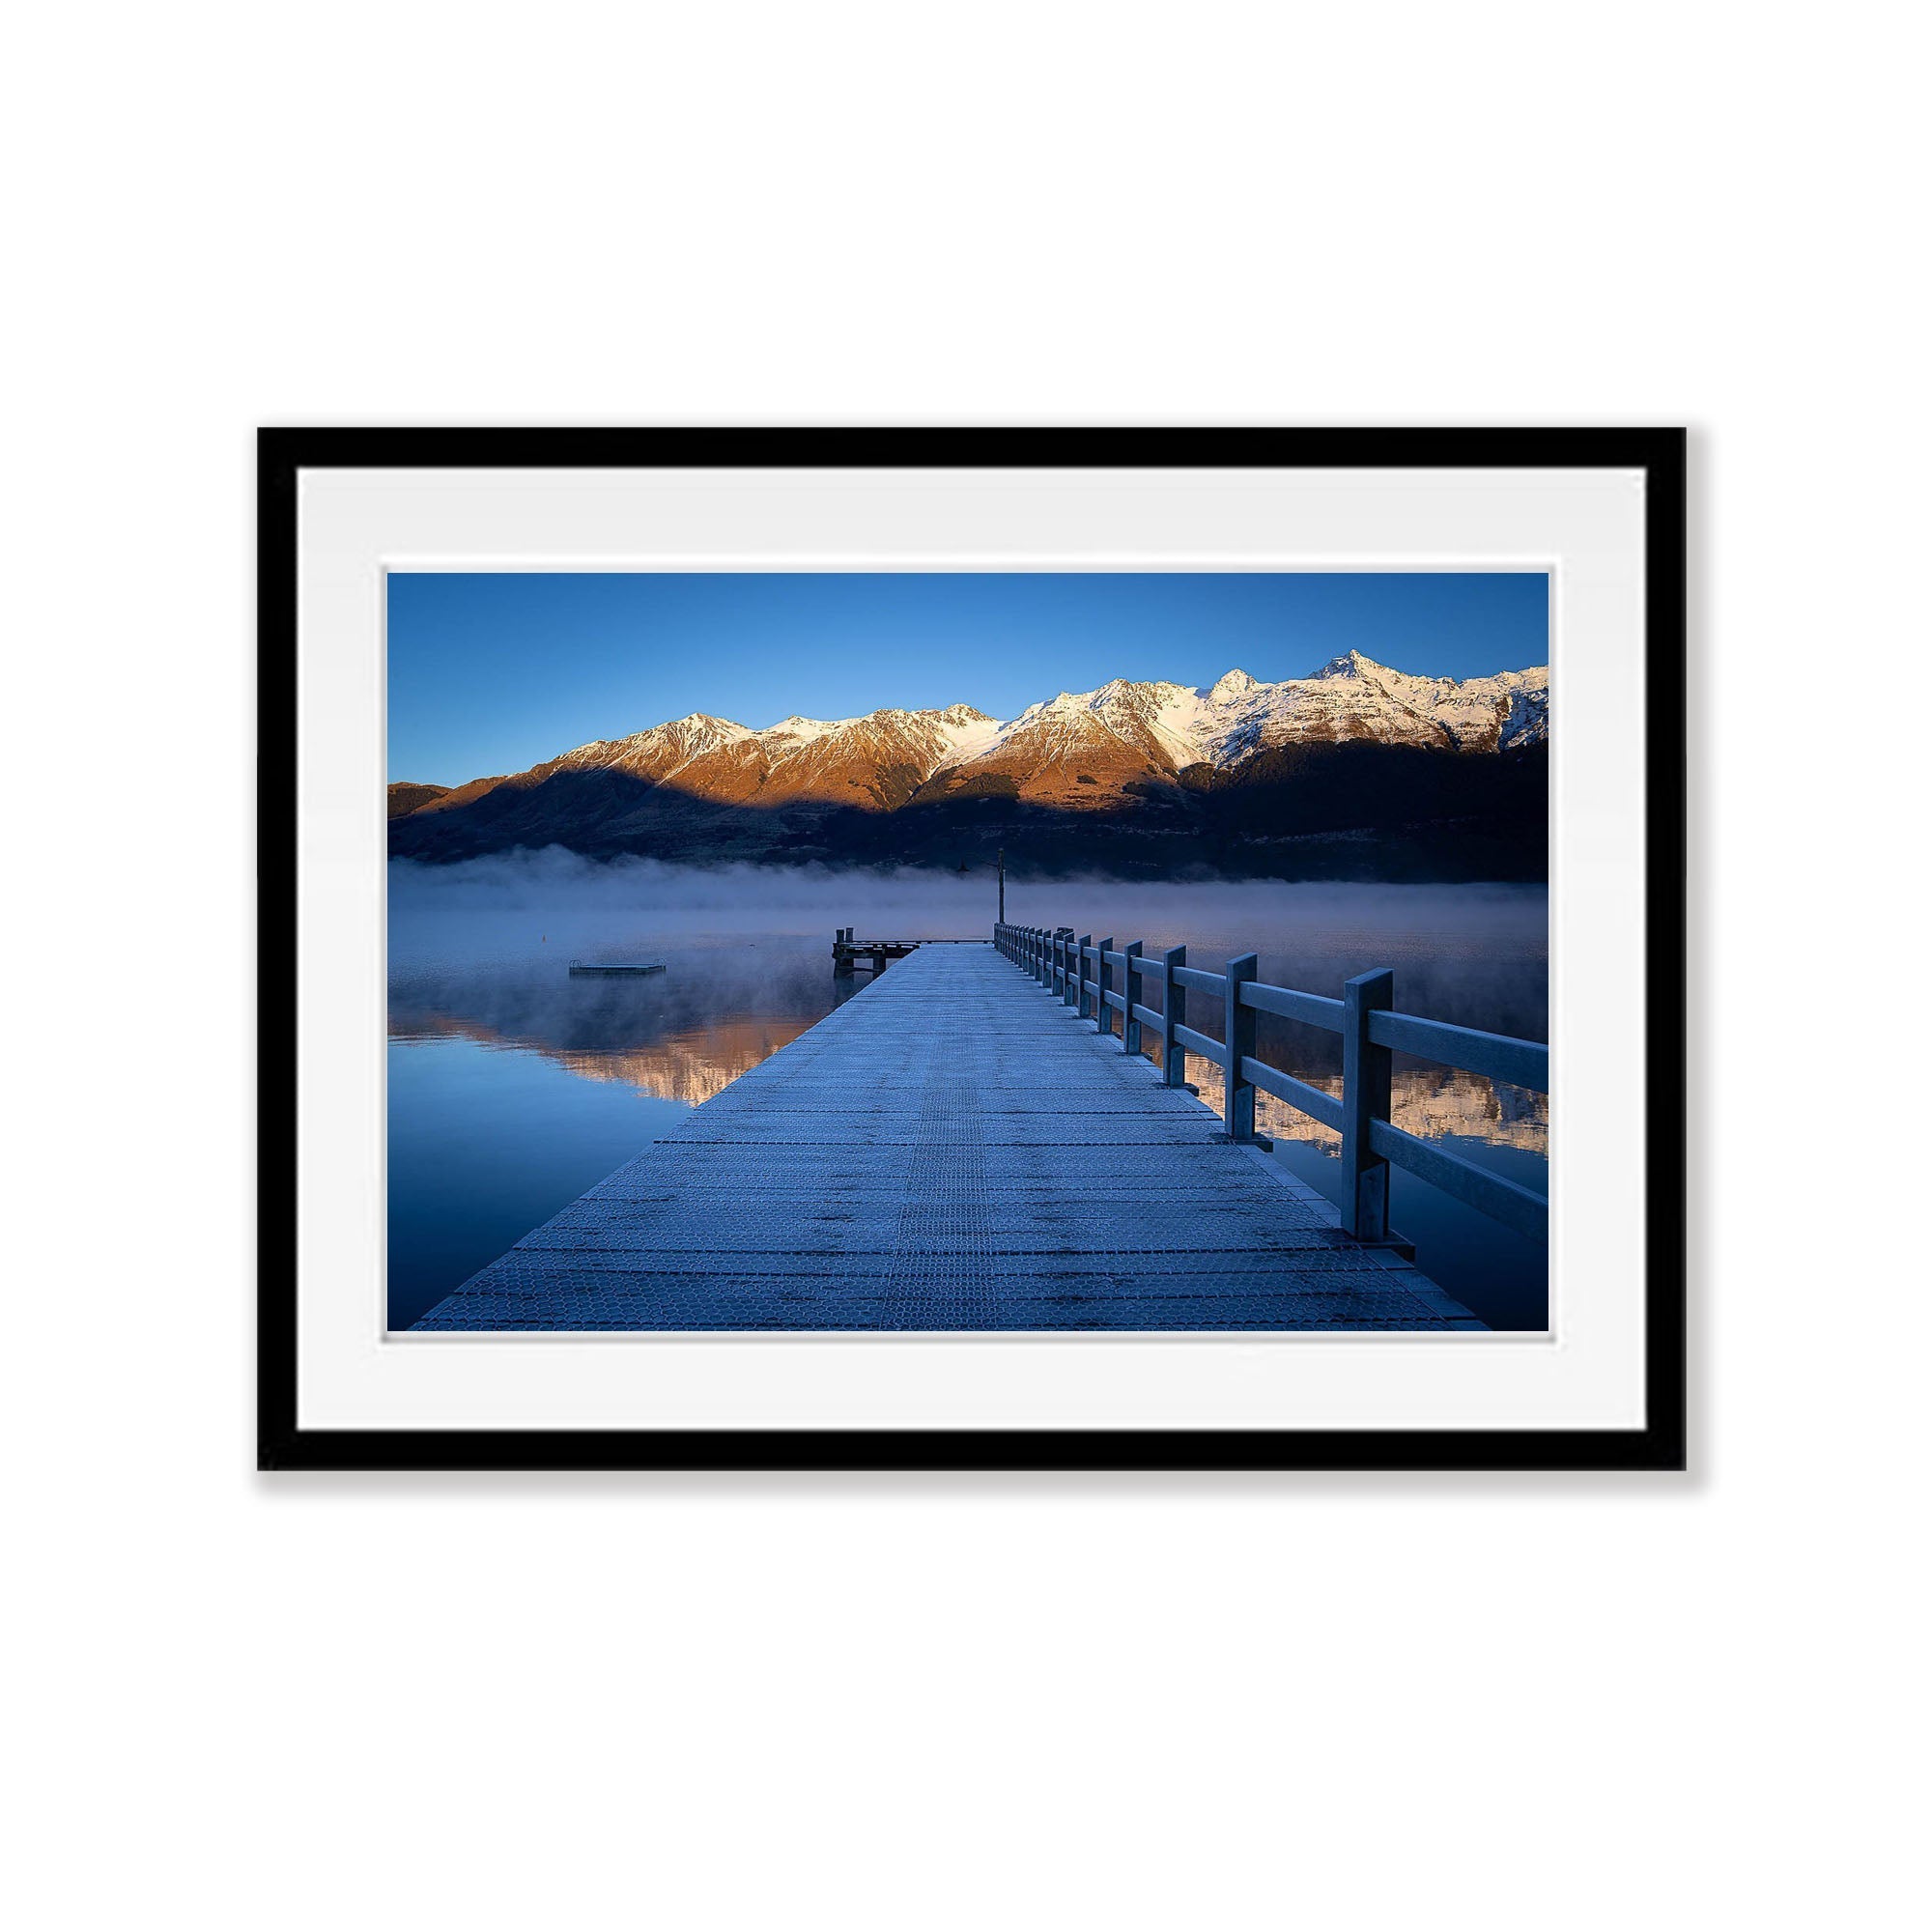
[(1522, 1062), (1174, 1012), (1001, 1171), (1298, 1093), (1197, 981), (1310, 1009), (1367, 1086), (1205, 1044), (1240, 1026), (1476, 1186)]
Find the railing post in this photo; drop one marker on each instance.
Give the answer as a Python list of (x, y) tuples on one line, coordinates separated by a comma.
[(1067, 992), (1238, 1031), (1367, 1080), (1173, 1013), (1103, 1014), (1131, 1028), (1080, 981)]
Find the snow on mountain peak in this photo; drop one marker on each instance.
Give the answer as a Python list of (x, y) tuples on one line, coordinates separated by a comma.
[(967, 732), (1351, 664), (1123, 734), (704, 724)]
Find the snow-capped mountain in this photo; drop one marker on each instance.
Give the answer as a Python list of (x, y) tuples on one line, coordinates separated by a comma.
[(1128, 749), (709, 757), (1124, 732), (876, 761), (1350, 697), (1121, 729), (1353, 696)]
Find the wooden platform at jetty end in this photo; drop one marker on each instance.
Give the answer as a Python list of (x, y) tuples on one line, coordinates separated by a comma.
[(950, 1149)]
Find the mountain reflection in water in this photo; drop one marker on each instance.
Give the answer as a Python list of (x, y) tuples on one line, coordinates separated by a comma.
[(690, 1066), (513, 1087)]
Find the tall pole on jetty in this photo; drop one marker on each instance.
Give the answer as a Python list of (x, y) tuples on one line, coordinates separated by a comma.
[(1003, 885)]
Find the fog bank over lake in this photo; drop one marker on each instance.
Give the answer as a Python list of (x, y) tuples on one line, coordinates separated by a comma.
[(613, 901)]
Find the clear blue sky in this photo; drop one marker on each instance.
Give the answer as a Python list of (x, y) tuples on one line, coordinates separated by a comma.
[(496, 673)]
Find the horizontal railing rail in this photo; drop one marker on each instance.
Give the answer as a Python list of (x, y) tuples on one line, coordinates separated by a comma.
[(1520, 1062), (1372, 1033)]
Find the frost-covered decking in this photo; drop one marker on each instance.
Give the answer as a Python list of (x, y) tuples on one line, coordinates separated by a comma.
[(952, 1147)]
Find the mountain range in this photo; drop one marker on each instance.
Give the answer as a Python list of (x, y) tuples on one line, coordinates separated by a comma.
[(1358, 770)]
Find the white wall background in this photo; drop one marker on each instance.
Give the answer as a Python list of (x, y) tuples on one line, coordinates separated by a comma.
[(1495, 1703)]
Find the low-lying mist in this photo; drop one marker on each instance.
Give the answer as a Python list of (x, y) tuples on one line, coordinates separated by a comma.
[(1476, 954)]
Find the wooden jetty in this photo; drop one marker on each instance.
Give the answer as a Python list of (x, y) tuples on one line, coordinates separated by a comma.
[(585, 970), (1097, 983), (847, 951), (958, 1147)]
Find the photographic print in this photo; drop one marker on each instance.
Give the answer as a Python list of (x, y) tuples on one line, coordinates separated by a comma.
[(949, 948), (845, 951)]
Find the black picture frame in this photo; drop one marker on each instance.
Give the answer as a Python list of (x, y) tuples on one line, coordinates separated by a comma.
[(1660, 453)]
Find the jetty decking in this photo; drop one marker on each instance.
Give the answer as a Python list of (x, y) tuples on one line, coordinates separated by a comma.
[(848, 951), (950, 1149)]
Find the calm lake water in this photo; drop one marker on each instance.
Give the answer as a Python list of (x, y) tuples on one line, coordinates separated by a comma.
[(513, 1087)]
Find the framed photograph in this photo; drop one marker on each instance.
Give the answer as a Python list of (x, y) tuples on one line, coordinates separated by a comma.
[(972, 949)]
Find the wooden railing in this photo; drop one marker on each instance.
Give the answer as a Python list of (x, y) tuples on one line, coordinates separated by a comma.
[(1372, 1033)]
